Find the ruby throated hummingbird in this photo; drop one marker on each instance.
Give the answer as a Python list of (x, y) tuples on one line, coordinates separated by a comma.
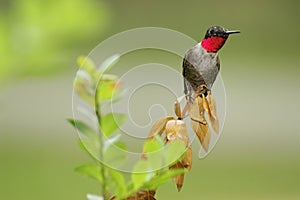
[(201, 63)]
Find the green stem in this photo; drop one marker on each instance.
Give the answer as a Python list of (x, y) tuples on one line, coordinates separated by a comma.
[(98, 114)]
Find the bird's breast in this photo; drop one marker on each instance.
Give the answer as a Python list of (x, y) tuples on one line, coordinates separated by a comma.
[(206, 64)]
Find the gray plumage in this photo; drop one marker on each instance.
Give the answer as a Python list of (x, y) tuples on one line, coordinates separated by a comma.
[(199, 68)]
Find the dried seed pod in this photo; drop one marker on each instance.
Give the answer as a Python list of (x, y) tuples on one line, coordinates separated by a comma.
[(177, 107), (196, 110), (205, 104), (159, 127), (177, 110), (213, 117), (179, 179), (187, 159), (199, 124), (202, 132), (176, 130)]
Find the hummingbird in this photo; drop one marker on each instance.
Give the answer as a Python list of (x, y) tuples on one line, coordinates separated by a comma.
[(201, 63)]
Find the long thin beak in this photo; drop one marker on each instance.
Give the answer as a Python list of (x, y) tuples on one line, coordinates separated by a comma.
[(233, 32)]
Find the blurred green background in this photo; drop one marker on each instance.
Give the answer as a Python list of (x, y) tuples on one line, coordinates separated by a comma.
[(258, 154)]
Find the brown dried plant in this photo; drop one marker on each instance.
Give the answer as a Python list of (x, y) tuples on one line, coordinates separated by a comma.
[(172, 129)]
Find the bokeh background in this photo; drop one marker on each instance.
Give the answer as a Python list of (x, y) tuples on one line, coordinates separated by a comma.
[(258, 154)]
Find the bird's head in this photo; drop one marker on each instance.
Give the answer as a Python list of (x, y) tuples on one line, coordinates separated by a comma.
[(215, 38)]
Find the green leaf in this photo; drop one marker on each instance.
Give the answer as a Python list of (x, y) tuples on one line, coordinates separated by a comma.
[(83, 77), (82, 127), (155, 160), (111, 141), (119, 180), (92, 147), (87, 113), (153, 145), (154, 150), (82, 147), (174, 152), (141, 174), (162, 178), (119, 96), (111, 122), (108, 78), (86, 64), (109, 63), (90, 170), (107, 90), (89, 138), (83, 90), (115, 155)]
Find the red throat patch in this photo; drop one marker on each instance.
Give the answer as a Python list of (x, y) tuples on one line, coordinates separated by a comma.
[(213, 44)]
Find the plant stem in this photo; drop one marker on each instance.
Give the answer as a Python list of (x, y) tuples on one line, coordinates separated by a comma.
[(98, 114)]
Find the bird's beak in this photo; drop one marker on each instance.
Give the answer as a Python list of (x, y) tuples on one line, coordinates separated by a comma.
[(233, 32)]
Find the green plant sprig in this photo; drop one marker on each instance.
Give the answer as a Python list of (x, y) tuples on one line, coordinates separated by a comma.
[(95, 86)]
